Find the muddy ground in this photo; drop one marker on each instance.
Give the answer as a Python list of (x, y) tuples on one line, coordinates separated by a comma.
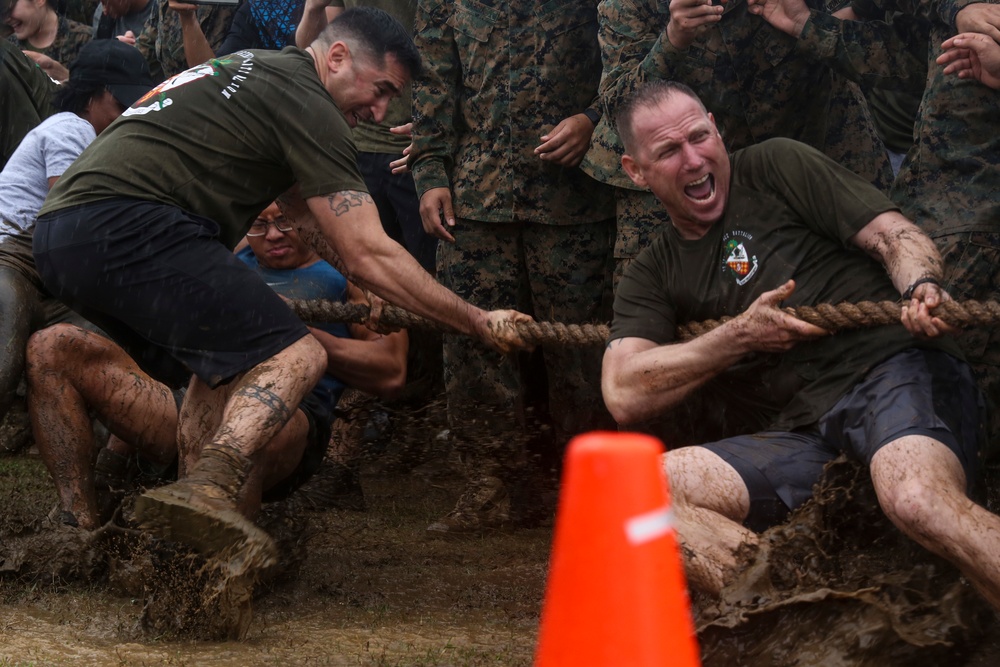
[(839, 586)]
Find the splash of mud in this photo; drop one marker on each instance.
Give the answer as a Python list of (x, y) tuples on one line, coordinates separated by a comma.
[(838, 584)]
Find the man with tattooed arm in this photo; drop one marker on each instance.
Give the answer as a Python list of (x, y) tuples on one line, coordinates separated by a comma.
[(774, 224), (137, 236)]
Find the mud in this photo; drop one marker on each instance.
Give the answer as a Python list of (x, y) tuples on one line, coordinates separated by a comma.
[(836, 585)]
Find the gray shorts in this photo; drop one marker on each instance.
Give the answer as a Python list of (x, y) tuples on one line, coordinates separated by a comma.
[(915, 392)]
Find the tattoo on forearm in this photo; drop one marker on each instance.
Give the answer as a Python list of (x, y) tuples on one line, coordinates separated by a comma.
[(343, 202), (279, 411)]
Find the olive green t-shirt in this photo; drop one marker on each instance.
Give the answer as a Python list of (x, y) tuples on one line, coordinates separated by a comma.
[(790, 215), (25, 98), (221, 140)]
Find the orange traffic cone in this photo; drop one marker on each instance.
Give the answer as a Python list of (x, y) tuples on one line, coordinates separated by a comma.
[(616, 593)]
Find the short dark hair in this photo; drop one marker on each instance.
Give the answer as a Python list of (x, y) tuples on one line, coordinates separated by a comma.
[(373, 34), (648, 95), (74, 96)]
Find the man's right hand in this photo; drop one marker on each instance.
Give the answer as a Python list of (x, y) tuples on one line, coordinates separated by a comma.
[(689, 19), (436, 211), (764, 327), (182, 7), (788, 16)]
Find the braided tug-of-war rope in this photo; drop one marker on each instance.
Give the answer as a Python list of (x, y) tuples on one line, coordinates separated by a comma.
[(833, 318)]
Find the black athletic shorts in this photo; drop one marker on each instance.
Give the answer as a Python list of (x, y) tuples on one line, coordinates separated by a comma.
[(915, 392), (161, 284)]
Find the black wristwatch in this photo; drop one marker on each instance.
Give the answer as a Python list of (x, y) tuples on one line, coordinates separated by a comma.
[(908, 294), (594, 116)]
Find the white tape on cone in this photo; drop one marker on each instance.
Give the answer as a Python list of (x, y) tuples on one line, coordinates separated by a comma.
[(649, 526)]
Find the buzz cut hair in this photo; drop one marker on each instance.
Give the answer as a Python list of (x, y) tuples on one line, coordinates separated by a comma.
[(649, 95), (372, 34)]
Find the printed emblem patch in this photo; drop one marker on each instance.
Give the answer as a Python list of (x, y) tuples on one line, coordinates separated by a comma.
[(736, 259)]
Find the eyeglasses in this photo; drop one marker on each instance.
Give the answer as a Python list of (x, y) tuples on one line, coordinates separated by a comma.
[(259, 226)]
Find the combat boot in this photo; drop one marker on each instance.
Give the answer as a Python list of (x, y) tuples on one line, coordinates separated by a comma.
[(483, 506), (201, 512)]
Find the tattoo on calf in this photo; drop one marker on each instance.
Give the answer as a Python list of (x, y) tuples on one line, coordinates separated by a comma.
[(279, 410), (342, 202)]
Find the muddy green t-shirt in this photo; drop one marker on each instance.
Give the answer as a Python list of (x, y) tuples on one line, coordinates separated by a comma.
[(221, 140), (790, 215)]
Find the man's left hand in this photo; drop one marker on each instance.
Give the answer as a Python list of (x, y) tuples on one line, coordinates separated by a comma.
[(501, 332), (568, 141), (916, 315)]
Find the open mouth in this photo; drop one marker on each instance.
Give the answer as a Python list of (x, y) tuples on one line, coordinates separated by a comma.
[(701, 191)]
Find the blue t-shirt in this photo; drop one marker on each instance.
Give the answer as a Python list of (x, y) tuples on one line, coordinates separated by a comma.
[(317, 281)]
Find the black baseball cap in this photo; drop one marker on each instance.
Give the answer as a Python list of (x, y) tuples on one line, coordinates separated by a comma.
[(115, 65)]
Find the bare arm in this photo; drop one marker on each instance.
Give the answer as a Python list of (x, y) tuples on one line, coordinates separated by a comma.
[(368, 361), (350, 224), (196, 47), (641, 379), (908, 255), (315, 16)]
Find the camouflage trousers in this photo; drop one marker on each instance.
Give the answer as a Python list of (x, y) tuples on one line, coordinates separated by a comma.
[(972, 271), (640, 219), (554, 273)]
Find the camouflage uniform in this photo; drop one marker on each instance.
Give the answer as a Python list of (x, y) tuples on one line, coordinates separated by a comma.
[(162, 43), (530, 235), (950, 180), (748, 76), (70, 38)]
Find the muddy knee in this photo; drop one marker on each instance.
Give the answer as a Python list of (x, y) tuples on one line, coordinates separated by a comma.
[(914, 507)]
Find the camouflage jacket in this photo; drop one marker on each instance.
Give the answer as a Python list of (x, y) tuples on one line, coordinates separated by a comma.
[(498, 76), (70, 38), (162, 44), (748, 75), (950, 179)]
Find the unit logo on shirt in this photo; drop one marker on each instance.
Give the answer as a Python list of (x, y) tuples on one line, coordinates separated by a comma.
[(736, 259), (158, 100)]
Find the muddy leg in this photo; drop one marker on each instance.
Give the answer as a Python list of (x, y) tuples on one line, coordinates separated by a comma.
[(19, 315), (710, 500), (921, 488), (71, 370), (202, 508)]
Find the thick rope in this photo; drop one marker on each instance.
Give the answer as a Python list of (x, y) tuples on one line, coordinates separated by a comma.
[(831, 317)]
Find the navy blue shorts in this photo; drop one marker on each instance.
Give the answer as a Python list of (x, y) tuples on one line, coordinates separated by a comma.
[(915, 392), (161, 284)]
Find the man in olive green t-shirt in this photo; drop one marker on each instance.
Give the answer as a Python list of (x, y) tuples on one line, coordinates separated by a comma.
[(136, 236), (779, 223)]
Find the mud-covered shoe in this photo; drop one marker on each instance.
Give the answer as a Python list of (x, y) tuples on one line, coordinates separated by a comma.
[(484, 506), (200, 511)]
